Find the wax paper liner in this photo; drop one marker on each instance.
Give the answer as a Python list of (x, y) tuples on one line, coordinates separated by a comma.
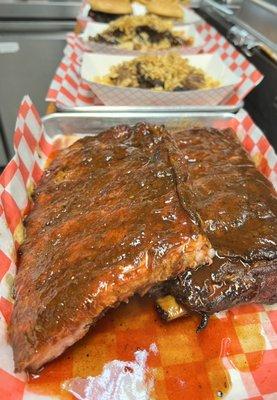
[(69, 90), (32, 148)]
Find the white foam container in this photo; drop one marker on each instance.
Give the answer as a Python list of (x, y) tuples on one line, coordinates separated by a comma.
[(94, 28), (96, 65)]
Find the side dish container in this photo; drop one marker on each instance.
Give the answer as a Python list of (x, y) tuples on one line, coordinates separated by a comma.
[(97, 65), (94, 28)]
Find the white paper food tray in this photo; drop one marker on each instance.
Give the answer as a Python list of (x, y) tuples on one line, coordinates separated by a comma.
[(95, 65), (94, 28), (190, 17)]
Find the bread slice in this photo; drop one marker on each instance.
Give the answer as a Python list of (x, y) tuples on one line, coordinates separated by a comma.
[(111, 6), (164, 8)]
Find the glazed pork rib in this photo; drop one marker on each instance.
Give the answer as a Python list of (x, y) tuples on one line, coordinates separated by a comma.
[(237, 207), (108, 220)]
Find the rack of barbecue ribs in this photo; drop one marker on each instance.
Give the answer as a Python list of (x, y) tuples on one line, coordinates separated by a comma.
[(138, 208), (107, 222), (237, 208)]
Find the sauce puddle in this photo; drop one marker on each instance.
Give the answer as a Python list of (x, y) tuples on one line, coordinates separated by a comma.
[(185, 365)]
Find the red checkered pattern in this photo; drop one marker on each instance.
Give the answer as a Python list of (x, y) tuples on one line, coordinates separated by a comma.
[(32, 148), (215, 42), (73, 92), (82, 16), (68, 89), (256, 145)]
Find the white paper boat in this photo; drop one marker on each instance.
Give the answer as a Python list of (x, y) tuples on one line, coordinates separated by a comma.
[(96, 65), (190, 17), (94, 28)]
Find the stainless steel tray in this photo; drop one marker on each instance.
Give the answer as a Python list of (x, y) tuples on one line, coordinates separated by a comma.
[(148, 109), (94, 122)]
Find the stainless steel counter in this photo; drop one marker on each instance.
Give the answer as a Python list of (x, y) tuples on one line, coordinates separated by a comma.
[(257, 17), (39, 9), (260, 17), (32, 39), (256, 42), (29, 54)]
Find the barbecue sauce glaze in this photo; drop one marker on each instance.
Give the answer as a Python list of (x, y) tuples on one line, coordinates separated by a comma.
[(186, 365)]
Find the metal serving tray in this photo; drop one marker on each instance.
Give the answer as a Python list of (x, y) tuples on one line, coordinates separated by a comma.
[(148, 109), (94, 122)]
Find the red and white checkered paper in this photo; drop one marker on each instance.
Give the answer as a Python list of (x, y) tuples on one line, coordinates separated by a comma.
[(32, 148), (82, 16), (69, 90)]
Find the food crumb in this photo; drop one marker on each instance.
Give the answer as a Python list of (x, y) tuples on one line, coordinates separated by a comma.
[(128, 369)]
